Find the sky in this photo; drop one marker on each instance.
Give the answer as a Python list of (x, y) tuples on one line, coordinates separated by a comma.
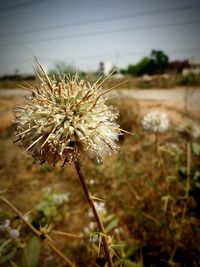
[(84, 32)]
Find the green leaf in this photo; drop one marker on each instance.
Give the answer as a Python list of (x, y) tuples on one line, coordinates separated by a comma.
[(131, 251), (129, 263), (31, 253), (13, 264), (108, 218), (196, 149), (113, 224), (8, 257)]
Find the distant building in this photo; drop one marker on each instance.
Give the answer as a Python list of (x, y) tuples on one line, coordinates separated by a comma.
[(178, 66), (194, 67), (118, 76), (185, 66), (105, 67)]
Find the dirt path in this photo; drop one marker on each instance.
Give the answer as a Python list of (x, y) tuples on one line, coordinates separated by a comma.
[(176, 98)]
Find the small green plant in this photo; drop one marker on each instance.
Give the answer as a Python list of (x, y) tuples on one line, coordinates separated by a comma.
[(121, 249), (51, 207), (10, 241), (12, 244), (26, 247), (190, 79)]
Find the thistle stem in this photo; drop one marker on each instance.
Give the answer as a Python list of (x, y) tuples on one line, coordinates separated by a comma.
[(156, 143), (95, 212)]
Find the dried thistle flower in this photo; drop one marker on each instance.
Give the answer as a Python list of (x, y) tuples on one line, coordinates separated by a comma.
[(66, 118), (156, 121)]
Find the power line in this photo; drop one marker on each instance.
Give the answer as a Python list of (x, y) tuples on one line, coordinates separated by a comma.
[(86, 22), (101, 33), (121, 53), (19, 5)]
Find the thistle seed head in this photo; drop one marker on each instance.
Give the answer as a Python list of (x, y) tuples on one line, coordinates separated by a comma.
[(155, 121), (66, 118)]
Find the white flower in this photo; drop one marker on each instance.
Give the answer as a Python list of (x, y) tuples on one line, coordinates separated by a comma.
[(118, 230), (66, 118), (14, 233), (100, 207), (156, 121), (59, 199), (90, 228), (94, 238), (91, 182), (86, 230), (5, 225)]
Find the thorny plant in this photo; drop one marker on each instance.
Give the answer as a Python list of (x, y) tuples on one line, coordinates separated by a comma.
[(189, 131), (157, 123), (66, 120), (112, 227), (42, 233)]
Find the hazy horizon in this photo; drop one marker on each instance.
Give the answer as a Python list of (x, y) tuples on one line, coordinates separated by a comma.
[(83, 33)]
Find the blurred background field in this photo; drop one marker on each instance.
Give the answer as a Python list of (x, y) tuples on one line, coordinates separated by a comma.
[(133, 185), (148, 194)]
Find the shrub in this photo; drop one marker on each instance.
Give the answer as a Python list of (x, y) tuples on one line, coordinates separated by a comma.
[(129, 111), (191, 79)]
